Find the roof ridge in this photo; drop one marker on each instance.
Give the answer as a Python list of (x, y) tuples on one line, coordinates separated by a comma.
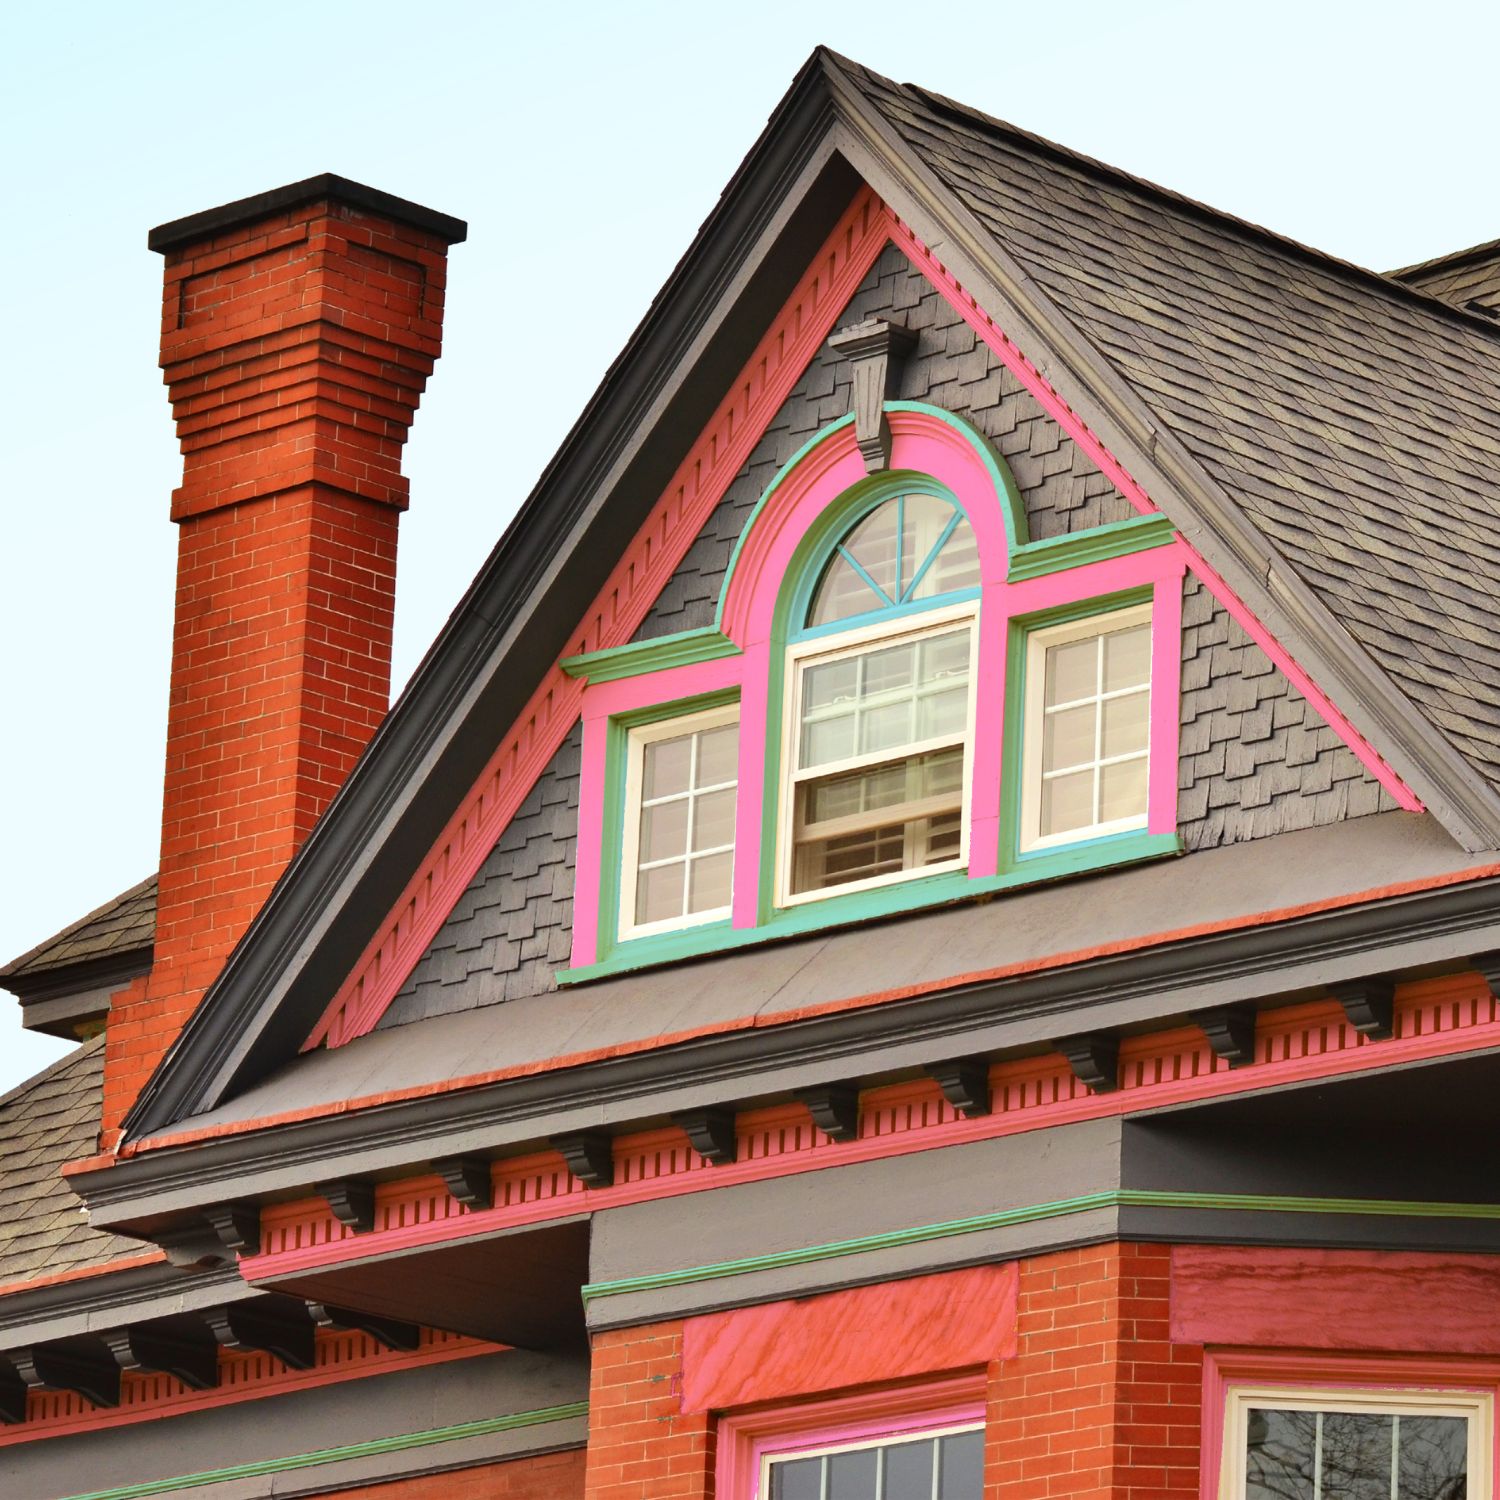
[(1485, 250), (1375, 280), (16, 965)]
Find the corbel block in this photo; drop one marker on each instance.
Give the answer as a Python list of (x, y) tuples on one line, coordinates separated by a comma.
[(710, 1132), (278, 1327), (352, 1200), (1370, 1004), (875, 349), (834, 1108), (965, 1082), (95, 1377), (195, 1362), (390, 1333), (1094, 1057), (468, 1179), (237, 1225), (590, 1155), (1230, 1030), (12, 1396)]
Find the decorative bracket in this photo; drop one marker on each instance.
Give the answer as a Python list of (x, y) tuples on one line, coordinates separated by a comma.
[(237, 1225), (95, 1377), (12, 1397), (834, 1108), (468, 1179), (965, 1082), (1370, 1004), (388, 1332), (1230, 1030), (352, 1200), (710, 1132), (590, 1156), (1488, 964), (876, 350), (1094, 1058), (195, 1362), (282, 1329)]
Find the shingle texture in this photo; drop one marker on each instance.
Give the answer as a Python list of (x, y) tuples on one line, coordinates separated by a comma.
[(124, 924), (1255, 758), (513, 926), (50, 1120), (1469, 279), (1357, 425), (1062, 490)]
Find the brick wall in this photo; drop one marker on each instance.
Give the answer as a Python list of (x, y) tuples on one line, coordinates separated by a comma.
[(547, 1476), (641, 1446), (1096, 1404)]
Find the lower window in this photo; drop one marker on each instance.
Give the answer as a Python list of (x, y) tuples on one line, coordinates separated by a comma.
[(1295, 1444), (944, 1465)]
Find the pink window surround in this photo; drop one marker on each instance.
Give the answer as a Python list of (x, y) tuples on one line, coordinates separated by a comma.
[(1365, 1374), (745, 1440), (769, 554)]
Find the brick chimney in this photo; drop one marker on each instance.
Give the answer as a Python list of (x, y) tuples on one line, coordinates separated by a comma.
[(298, 331)]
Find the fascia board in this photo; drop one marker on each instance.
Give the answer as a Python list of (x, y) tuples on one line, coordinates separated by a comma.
[(390, 801), (1146, 989), (1466, 805)]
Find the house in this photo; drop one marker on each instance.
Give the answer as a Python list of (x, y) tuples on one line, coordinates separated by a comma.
[(928, 927)]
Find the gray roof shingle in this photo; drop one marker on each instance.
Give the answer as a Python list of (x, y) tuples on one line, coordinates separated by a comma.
[(124, 924), (1354, 420)]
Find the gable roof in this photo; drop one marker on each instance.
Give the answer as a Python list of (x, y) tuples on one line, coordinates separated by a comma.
[(1179, 396), (124, 924)]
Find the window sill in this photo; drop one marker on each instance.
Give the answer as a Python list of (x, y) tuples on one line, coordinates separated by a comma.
[(918, 894)]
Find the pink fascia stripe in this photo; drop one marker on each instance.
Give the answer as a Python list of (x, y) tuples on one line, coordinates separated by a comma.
[(1052, 403)]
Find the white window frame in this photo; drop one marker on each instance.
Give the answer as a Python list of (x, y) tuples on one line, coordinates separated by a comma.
[(630, 835), (855, 1445), (1477, 1407), (1037, 643), (855, 643)]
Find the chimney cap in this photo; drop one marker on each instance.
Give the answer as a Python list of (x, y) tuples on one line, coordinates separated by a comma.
[(212, 221)]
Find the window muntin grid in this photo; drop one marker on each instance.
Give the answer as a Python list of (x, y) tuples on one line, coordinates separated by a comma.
[(944, 1465), (680, 813), (1088, 728)]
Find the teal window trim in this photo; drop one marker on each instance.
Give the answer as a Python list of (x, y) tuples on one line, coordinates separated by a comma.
[(657, 947), (1057, 554), (684, 648)]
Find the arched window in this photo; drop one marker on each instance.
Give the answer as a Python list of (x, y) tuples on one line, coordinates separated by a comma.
[(880, 693)]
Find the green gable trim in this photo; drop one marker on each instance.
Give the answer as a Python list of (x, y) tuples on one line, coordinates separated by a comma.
[(371, 1449), (918, 894), (1036, 1212), (683, 649), (1055, 554)]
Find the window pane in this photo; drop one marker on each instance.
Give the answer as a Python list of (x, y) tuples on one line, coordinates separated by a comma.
[(658, 893), (1125, 724), (1122, 790), (713, 820), (945, 656), (872, 544), (826, 740), (942, 714), (955, 567), (851, 1476), (830, 682), (1127, 658), (841, 593), (888, 669), (961, 1466), (1355, 1459), (1434, 1458), (1068, 802), (1068, 738), (887, 727), (801, 1479), (1072, 671), (1280, 1455), (667, 766), (718, 755), (908, 1470), (664, 830), (709, 882)]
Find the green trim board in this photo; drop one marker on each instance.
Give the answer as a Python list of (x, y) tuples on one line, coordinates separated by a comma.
[(1036, 1213), (1056, 554), (685, 648), (918, 894), (371, 1449)]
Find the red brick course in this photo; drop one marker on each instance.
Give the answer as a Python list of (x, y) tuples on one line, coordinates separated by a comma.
[(295, 349)]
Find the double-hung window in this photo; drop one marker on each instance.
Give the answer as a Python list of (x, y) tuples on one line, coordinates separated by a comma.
[(924, 1466), (881, 705)]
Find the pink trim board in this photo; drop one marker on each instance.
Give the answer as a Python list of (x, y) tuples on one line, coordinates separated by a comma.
[(612, 618)]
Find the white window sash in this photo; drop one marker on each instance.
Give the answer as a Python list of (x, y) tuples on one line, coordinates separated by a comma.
[(889, 1440)]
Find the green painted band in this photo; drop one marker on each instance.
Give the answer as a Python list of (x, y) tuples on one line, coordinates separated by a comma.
[(373, 1448), (683, 649), (1098, 544), (1033, 1213)]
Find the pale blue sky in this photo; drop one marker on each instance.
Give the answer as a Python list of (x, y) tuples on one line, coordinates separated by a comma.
[(584, 144)]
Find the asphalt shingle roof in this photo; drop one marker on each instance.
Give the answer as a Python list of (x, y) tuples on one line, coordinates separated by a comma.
[(123, 924), (1356, 422), (49, 1120)]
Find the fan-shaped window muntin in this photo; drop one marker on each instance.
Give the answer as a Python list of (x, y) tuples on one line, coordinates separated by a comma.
[(881, 690), (910, 549)]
